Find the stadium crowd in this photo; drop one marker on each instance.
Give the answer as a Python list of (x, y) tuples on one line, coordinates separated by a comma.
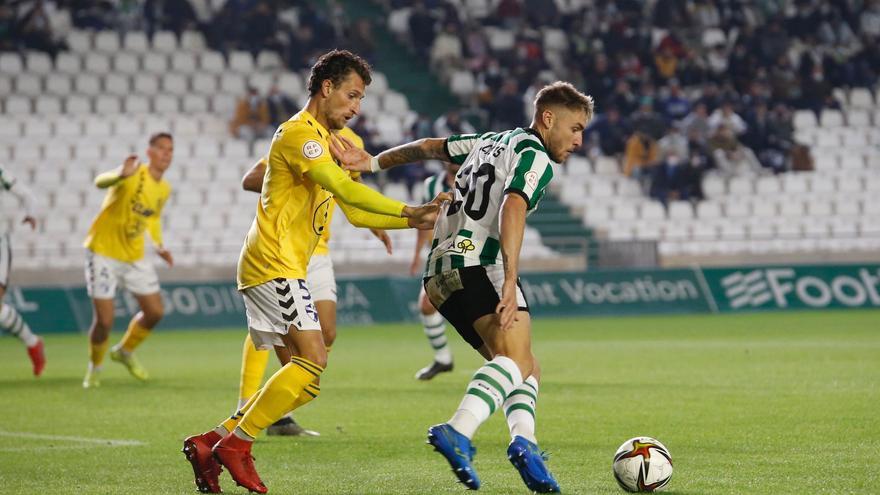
[(681, 87)]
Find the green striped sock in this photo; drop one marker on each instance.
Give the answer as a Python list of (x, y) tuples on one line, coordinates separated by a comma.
[(435, 330), (485, 394), (519, 407), (12, 322)]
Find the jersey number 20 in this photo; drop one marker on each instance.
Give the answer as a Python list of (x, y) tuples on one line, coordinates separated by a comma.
[(467, 183)]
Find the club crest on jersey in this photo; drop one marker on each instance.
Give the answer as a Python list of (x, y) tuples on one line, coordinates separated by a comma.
[(312, 149), (465, 245), (532, 179)]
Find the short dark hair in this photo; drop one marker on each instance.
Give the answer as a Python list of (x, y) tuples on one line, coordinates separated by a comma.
[(563, 94), (159, 135), (335, 66)]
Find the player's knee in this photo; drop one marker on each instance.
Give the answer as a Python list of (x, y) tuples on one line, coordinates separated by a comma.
[(426, 307), (102, 324), (152, 316), (317, 356)]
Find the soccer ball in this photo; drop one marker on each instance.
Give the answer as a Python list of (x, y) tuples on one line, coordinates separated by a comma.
[(642, 464)]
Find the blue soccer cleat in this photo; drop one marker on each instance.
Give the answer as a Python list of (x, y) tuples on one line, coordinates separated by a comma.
[(457, 449), (529, 461)]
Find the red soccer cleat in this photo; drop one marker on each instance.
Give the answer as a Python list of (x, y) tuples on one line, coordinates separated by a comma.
[(234, 454), (197, 450), (38, 357)]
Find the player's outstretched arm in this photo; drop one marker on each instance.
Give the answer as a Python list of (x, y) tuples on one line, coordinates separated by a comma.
[(356, 159), (512, 228), (111, 178), (422, 217), (253, 179)]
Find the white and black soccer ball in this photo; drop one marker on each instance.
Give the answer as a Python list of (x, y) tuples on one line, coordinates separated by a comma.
[(642, 464)]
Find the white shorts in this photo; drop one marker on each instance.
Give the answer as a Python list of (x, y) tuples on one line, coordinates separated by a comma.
[(104, 274), (321, 279), (275, 306), (6, 260)]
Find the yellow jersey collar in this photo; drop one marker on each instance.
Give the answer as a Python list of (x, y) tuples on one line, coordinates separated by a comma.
[(311, 120)]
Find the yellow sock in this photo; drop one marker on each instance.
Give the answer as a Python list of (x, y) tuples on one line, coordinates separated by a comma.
[(97, 352), (280, 395), (253, 367), (311, 392), (230, 423), (133, 336)]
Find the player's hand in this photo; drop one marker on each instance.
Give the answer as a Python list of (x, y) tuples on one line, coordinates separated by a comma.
[(165, 255), (129, 166), (423, 217), (507, 307), (383, 236), (30, 221), (350, 156)]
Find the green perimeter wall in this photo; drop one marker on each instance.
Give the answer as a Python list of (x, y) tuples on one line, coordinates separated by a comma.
[(601, 292)]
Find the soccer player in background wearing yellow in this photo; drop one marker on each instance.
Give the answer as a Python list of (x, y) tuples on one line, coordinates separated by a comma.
[(10, 320), (321, 280), (301, 181), (115, 254)]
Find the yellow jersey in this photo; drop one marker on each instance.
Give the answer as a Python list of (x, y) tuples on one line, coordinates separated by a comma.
[(323, 248), (293, 211), (132, 205)]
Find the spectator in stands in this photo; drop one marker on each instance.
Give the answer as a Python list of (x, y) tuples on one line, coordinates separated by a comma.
[(421, 29), (731, 157), (696, 124), (361, 40), (251, 120), (647, 121), (611, 131), (665, 63), (34, 31), (600, 80), (674, 143), (642, 153), (446, 49), (670, 180), (623, 98), (451, 123), (725, 116), (280, 105), (7, 28), (171, 15), (676, 105), (506, 110)]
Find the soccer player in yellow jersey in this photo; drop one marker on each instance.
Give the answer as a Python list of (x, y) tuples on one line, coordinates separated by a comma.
[(322, 285), (301, 181), (115, 254)]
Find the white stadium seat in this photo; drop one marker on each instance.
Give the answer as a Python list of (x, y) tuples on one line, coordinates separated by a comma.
[(79, 41), (48, 105), (205, 84), (195, 103), (831, 118), (38, 63), (18, 105), (860, 98), (174, 84), (232, 83), (29, 84), (155, 63), (146, 84), (165, 42), (136, 41), (184, 62), (137, 104), (126, 63), (10, 63), (117, 84), (87, 84), (78, 104), (192, 41), (290, 83), (68, 63), (241, 62), (107, 42), (107, 105), (267, 60), (97, 63), (59, 84), (211, 62)]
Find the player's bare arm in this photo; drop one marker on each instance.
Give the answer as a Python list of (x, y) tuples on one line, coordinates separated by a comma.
[(356, 159), (253, 179), (424, 237), (512, 228)]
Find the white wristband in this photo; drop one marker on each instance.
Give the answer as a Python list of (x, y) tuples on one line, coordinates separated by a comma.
[(374, 165)]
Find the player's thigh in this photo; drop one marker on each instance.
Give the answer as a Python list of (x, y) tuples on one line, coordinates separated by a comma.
[(321, 281), (425, 306), (279, 307), (514, 342), (140, 279), (102, 275)]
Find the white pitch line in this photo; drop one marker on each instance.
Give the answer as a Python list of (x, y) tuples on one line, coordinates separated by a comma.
[(63, 438)]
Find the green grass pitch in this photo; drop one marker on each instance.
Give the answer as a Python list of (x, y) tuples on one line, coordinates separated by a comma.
[(752, 404)]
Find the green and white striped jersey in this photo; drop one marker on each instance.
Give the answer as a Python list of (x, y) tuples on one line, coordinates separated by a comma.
[(492, 165), (435, 185)]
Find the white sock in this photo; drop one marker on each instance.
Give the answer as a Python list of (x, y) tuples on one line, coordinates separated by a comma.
[(435, 329), (12, 322), (519, 407), (486, 392), (92, 367)]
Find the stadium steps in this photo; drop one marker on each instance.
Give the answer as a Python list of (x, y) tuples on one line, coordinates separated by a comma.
[(554, 221), (406, 73)]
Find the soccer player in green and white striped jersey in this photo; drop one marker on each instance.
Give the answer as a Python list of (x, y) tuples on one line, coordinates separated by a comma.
[(433, 323), (472, 273)]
